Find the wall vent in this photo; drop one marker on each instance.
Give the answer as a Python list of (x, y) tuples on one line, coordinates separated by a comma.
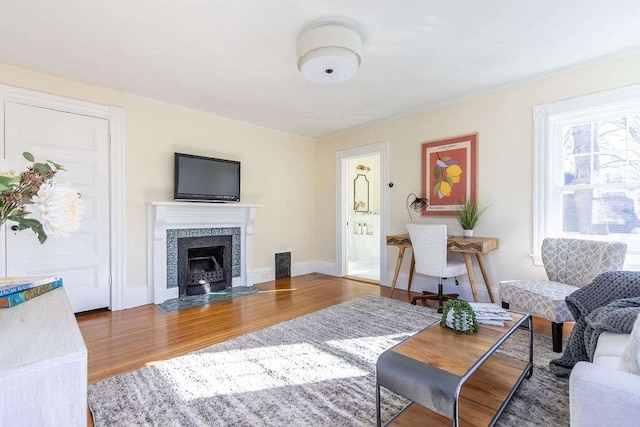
[(283, 265)]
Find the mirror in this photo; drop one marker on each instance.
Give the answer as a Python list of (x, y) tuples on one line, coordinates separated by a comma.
[(361, 193)]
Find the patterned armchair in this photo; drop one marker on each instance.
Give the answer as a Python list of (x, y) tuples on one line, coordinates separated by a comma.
[(570, 264)]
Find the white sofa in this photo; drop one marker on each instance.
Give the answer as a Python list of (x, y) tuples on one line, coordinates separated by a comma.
[(607, 391)]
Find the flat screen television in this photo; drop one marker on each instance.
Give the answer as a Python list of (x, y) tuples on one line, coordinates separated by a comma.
[(206, 179)]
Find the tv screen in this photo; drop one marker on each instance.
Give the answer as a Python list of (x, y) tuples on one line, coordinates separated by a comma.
[(206, 178)]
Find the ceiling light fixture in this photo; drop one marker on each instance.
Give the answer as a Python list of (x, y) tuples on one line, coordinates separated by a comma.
[(329, 53)]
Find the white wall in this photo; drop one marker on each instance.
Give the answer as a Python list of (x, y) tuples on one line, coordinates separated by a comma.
[(278, 170), (504, 123)]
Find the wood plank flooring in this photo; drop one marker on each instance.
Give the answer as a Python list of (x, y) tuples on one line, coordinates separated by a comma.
[(126, 340)]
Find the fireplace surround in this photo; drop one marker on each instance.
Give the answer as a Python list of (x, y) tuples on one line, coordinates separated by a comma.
[(168, 222)]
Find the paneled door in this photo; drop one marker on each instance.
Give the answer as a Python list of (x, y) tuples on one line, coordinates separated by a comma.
[(81, 144)]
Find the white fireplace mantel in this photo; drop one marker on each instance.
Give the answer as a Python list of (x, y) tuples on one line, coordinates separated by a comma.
[(163, 216)]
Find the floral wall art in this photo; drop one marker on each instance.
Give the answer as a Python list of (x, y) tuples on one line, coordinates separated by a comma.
[(448, 174)]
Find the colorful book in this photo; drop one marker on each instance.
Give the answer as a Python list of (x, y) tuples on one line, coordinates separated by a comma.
[(11, 285), (19, 297)]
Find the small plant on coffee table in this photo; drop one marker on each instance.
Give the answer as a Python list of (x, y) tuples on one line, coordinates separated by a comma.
[(459, 316)]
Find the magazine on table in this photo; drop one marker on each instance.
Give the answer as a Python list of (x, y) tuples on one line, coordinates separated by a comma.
[(490, 314)]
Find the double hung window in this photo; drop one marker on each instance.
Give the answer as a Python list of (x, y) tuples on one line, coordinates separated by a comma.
[(587, 170)]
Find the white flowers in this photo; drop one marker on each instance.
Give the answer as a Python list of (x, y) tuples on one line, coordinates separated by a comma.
[(58, 208)]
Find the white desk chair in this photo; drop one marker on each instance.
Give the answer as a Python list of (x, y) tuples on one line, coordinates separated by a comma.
[(429, 244)]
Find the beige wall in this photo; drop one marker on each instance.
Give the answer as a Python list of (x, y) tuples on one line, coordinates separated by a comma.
[(294, 179), (504, 123), (278, 170)]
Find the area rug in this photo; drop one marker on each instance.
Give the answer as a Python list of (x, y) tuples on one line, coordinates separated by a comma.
[(316, 370), (182, 303)]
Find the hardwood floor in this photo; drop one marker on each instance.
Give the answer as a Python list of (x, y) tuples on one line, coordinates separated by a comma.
[(126, 340)]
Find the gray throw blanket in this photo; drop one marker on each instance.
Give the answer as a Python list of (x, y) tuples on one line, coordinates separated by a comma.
[(611, 302)]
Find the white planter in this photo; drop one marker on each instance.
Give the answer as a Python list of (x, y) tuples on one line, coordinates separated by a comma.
[(467, 233), (465, 326)]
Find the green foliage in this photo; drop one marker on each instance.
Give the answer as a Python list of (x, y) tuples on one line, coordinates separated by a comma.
[(34, 225), (469, 214), (463, 318)]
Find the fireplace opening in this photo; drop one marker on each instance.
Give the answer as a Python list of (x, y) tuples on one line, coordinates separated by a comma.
[(206, 273), (204, 264)]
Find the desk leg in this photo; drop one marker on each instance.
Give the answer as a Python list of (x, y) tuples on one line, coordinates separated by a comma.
[(472, 278), (398, 265), (484, 275), (411, 270)]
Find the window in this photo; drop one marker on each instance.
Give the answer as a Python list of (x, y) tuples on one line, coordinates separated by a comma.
[(587, 170)]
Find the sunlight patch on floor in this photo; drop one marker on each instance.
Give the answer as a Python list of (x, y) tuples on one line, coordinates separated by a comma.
[(369, 348), (201, 375)]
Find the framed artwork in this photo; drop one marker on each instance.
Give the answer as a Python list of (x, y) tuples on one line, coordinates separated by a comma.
[(448, 174)]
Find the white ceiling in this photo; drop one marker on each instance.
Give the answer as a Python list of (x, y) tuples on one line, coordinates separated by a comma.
[(237, 58)]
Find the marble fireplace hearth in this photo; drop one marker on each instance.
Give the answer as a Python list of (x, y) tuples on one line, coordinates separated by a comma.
[(170, 221)]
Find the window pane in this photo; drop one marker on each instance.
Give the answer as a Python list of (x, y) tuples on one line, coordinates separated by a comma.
[(611, 134), (610, 168), (600, 212), (577, 169)]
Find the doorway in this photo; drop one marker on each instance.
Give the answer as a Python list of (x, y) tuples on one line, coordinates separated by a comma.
[(362, 213)]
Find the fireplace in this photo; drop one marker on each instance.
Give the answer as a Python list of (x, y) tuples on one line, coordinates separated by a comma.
[(204, 264), (170, 222)]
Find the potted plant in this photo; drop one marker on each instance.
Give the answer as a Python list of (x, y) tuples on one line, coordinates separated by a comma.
[(469, 215), (459, 316)]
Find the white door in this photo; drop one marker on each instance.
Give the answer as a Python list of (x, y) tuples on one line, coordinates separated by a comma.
[(80, 144)]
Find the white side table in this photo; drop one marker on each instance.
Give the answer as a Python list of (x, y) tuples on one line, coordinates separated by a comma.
[(43, 364)]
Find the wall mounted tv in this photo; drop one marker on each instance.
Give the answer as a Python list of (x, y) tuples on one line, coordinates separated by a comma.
[(206, 178)]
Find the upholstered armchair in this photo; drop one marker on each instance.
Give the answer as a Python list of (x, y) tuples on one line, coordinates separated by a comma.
[(570, 264)]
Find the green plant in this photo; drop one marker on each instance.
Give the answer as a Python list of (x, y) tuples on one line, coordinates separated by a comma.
[(469, 214), (463, 317)]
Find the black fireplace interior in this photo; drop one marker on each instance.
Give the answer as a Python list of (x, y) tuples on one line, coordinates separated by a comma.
[(204, 264)]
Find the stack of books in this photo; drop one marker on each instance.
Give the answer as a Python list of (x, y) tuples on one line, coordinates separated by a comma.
[(16, 290), (490, 314)]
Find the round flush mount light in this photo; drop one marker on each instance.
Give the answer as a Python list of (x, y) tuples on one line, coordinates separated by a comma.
[(329, 53)]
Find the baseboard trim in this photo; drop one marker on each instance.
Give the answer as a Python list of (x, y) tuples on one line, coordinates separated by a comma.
[(267, 274), (137, 296), (328, 268)]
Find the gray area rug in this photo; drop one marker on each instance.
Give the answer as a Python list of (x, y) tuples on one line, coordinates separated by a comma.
[(316, 370), (182, 303)]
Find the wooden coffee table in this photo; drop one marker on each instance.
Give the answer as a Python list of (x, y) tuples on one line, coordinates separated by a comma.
[(454, 378)]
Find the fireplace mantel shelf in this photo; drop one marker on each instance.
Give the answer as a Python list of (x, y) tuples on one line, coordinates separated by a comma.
[(198, 205), (163, 216)]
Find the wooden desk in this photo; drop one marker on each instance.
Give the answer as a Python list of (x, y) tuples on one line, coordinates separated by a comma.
[(464, 245)]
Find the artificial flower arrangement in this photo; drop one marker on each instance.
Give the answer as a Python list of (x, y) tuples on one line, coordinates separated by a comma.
[(33, 199)]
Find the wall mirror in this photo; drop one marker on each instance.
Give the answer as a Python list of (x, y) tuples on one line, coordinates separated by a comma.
[(361, 193)]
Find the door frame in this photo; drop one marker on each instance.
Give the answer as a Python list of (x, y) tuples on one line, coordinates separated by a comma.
[(115, 117), (342, 178)]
